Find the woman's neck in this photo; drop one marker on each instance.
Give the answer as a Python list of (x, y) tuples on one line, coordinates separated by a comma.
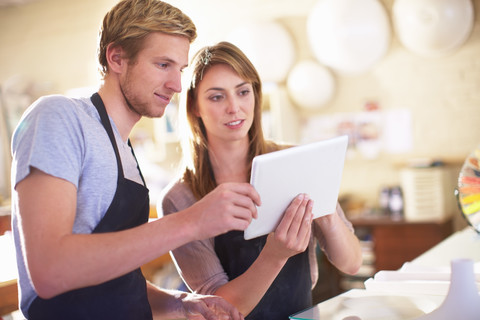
[(229, 161)]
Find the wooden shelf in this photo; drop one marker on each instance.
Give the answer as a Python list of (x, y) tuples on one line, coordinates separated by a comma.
[(397, 242), (8, 297)]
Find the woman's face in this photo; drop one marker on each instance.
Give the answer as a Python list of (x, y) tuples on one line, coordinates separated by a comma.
[(225, 103)]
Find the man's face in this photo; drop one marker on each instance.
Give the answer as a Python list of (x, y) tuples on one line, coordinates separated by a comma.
[(149, 82)]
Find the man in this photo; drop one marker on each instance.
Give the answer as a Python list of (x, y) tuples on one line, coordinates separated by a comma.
[(80, 204)]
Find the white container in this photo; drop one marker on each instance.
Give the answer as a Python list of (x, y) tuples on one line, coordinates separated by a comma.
[(462, 301), (428, 193)]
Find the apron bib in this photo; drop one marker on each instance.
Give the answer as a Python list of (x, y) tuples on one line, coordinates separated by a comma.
[(290, 292), (121, 298)]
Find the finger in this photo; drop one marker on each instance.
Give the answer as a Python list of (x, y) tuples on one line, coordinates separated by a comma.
[(306, 232), (253, 194), (239, 223), (243, 202), (247, 190), (206, 313), (298, 219), (237, 194), (228, 313), (224, 308), (306, 224), (289, 215)]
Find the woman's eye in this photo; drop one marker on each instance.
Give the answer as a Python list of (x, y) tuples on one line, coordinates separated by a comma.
[(216, 97), (244, 92)]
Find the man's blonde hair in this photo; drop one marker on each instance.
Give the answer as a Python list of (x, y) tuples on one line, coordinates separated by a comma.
[(129, 22)]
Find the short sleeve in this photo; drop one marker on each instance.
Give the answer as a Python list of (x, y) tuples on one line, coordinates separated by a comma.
[(49, 138)]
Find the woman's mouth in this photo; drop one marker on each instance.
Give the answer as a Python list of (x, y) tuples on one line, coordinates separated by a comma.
[(235, 123)]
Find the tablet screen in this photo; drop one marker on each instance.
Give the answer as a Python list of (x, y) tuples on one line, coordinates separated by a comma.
[(314, 168)]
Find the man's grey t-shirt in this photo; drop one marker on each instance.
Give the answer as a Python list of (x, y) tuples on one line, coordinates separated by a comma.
[(64, 137)]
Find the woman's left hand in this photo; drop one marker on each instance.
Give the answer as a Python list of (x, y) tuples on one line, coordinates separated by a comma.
[(292, 235)]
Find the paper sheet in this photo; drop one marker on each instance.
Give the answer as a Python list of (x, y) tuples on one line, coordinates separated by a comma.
[(412, 278)]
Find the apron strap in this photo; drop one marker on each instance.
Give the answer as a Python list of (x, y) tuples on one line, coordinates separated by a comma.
[(98, 103)]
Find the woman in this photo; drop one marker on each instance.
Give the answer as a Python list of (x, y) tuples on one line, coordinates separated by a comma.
[(269, 277)]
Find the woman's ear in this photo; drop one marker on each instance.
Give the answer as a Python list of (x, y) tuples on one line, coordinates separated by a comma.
[(115, 58)]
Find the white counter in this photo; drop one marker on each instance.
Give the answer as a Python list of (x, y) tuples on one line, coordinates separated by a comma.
[(389, 301)]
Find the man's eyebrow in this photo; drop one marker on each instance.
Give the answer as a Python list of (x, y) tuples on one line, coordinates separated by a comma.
[(167, 59)]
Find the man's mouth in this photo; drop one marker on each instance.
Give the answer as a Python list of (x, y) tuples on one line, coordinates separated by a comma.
[(166, 99)]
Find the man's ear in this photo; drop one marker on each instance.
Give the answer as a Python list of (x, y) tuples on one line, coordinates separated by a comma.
[(115, 58)]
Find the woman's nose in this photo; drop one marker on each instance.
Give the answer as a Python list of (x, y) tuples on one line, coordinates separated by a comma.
[(232, 106)]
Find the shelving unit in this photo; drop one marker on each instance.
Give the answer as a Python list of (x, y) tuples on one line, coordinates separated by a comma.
[(387, 244)]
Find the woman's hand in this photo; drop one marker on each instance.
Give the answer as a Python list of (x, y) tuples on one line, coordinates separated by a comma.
[(292, 235)]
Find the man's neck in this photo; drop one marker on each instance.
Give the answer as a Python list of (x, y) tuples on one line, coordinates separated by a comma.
[(117, 108)]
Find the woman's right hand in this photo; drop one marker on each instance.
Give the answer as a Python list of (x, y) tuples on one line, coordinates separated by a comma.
[(292, 235)]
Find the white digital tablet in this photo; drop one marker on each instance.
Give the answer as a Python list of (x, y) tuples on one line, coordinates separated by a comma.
[(314, 169)]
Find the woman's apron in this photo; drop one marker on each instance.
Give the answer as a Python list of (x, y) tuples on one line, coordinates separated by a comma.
[(121, 298), (291, 290)]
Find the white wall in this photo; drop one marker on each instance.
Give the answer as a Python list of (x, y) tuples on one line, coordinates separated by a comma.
[(53, 42)]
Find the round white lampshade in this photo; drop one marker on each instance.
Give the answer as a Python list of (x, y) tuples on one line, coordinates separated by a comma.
[(349, 36), (269, 46), (310, 85), (433, 28)]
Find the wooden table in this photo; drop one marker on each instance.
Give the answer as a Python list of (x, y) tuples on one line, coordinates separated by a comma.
[(8, 288), (8, 297)]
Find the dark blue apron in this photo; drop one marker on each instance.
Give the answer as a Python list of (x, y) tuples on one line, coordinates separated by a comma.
[(289, 293), (121, 298)]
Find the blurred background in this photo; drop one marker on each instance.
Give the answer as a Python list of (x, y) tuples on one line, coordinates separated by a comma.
[(400, 77), (349, 73)]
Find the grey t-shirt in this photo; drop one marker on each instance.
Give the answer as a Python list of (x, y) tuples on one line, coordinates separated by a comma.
[(64, 138)]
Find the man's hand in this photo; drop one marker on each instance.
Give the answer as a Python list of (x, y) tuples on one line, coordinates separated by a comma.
[(230, 206), (201, 307)]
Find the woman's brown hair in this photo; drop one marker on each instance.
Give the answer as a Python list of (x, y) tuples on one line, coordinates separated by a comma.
[(129, 22), (198, 170)]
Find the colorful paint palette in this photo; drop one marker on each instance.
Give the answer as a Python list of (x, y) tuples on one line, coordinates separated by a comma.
[(468, 190)]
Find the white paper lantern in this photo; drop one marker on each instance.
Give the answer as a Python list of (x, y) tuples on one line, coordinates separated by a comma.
[(269, 46), (348, 36), (433, 28), (310, 85)]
